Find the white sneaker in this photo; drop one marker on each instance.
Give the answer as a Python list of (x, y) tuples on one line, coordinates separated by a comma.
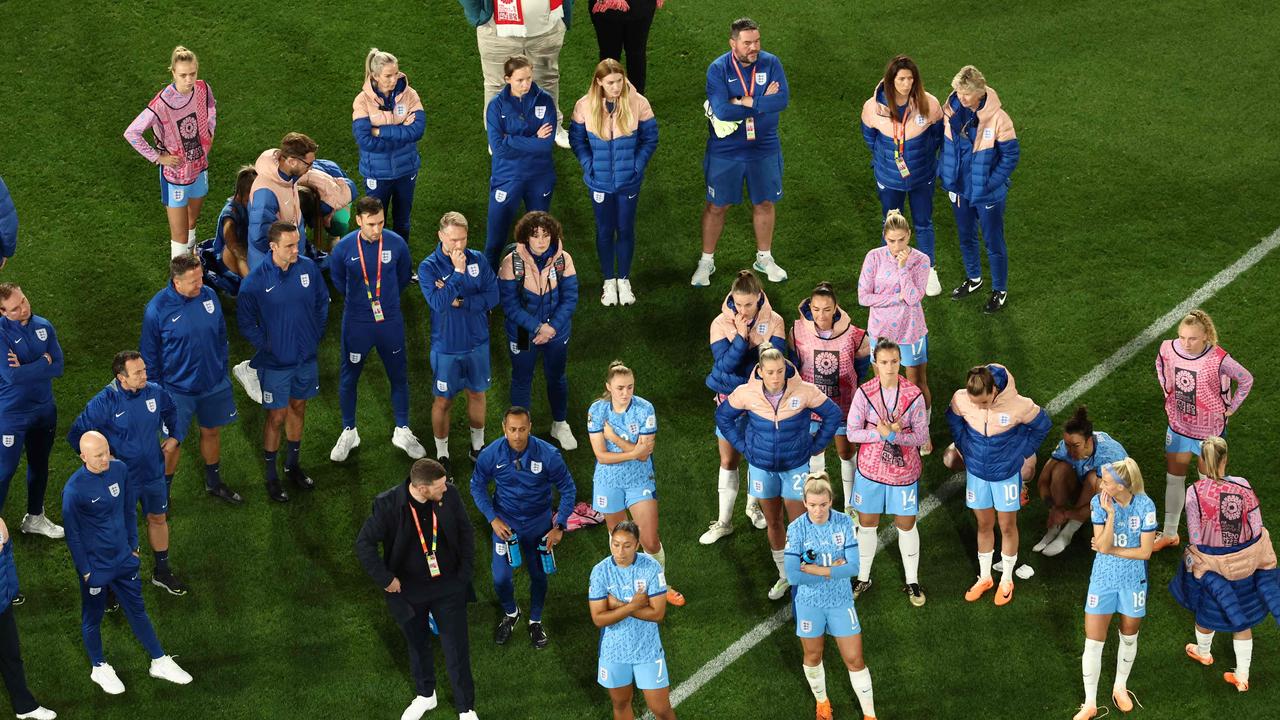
[(419, 707), (347, 441), (779, 589), (756, 516), (702, 275), (609, 295), (468, 715), (714, 532), (933, 288), (106, 677), (1049, 536), (625, 296), (562, 434), (770, 268), (404, 439), (40, 713), (248, 379), (562, 137), (41, 525), (165, 668)]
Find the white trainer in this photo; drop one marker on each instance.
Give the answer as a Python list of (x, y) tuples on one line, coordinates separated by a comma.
[(770, 268), (40, 713), (779, 589), (347, 441), (756, 515), (609, 294), (106, 677), (933, 287), (165, 668), (468, 715), (248, 379), (625, 296), (562, 434), (1049, 536), (419, 707), (702, 275), (404, 439), (562, 137), (714, 532), (42, 525)]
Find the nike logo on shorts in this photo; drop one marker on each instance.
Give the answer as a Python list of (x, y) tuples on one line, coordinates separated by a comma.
[(355, 259), (546, 193), (95, 500), (988, 207), (393, 352)]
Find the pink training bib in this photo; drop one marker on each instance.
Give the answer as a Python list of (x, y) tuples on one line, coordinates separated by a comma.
[(885, 462), (1195, 391)]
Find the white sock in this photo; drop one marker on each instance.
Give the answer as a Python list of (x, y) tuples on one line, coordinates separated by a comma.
[(909, 546), (753, 503), (818, 463), (177, 249), (727, 491), (191, 237), (661, 557), (1244, 655), (817, 681), (442, 446), (1124, 658), (846, 479), (1006, 572), (707, 257), (1204, 643), (868, 539), (861, 682), (984, 564), (477, 438), (763, 254), (779, 559), (1175, 496), (1091, 668), (1069, 530)]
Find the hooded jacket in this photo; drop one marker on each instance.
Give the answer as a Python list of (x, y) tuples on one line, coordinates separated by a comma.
[(996, 440)]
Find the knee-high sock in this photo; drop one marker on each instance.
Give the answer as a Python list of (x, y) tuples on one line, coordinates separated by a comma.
[(868, 541), (1091, 668), (984, 564), (818, 463), (1204, 643), (817, 681), (1175, 496), (909, 547), (727, 491), (1124, 658), (1244, 656), (846, 480), (1006, 572), (779, 559), (861, 682), (661, 557)]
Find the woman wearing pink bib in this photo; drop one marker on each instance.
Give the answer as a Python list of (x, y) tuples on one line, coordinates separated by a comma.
[(887, 421), (182, 118), (1195, 374)]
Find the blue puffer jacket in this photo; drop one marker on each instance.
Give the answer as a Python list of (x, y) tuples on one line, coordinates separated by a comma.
[(922, 138), (996, 440), (479, 12), (611, 162), (733, 356), (8, 223), (979, 150), (512, 123), (8, 575), (778, 440), (548, 293), (394, 152)]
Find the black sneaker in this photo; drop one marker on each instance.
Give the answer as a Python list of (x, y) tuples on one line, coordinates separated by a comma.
[(966, 288), (860, 587), (299, 477), (996, 302), (537, 636), (444, 463), (275, 492), (915, 593), (18, 599), (474, 455), (170, 582), (224, 493), (505, 627), (413, 278)]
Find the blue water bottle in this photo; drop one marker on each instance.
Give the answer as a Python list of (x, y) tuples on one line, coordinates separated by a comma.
[(513, 551), (548, 556)]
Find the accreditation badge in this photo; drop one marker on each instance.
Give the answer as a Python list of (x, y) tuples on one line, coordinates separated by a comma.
[(376, 307), (433, 565), (751, 128), (902, 166)]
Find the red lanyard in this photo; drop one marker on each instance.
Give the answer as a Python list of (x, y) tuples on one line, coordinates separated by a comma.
[(899, 140), (435, 529), (750, 89), (360, 250)]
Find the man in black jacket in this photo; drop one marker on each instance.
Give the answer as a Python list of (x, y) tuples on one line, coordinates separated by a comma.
[(425, 568)]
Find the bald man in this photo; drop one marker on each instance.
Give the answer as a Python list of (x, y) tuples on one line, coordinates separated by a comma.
[(98, 512)]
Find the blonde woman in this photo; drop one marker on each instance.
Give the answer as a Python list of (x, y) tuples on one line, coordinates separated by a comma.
[(387, 121), (181, 117), (1195, 374), (614, 134)]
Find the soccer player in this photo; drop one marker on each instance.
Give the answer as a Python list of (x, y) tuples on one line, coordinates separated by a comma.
[(538, 285), (821, 556), (1124, 531), (140, 422), (834, 354), (1195, 374), (283, 308), (1228, 578), (274, 196), (524, 471), (28, 415), (623, 428), (614, 134), (371, 267), (996, 434), (888, 422), (746, 92), (182, 118), (1069, 479), (745, 325), (102, 533), (979, 152), (231, 236), (891, 285), (902, 127), (777, 442), (387, 121), (460, 289), (627, 599), (521, 122)]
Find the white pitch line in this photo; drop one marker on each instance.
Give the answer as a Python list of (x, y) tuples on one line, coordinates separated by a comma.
[(1127, 352)]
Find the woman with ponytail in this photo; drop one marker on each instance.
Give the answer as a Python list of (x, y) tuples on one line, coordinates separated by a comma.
[(1195, 374), (1069, 479), (387, 120)]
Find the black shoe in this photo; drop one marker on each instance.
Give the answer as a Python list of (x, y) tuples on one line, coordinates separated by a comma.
[(224, 493), (537, 636), (444, 463), (996, 302), (275, 492), (18, 599), (505, 626), (474, 455), (299, 477), (169, 582), (966, 288)]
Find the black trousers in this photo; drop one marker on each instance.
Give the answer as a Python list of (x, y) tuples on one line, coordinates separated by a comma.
[(618, 31), (15, 678), (450, 613)]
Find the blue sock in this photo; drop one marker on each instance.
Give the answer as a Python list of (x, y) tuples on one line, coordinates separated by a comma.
[(212, 475), (168, 479), (294, 449), (270, 459)]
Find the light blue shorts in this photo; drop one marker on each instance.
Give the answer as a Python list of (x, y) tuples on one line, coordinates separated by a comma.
[(646, 676), (176, 196), (1003, 495), (842, 431), (875, 498), (279, 386), (767, 484), (1105, 601), (609, 499), (1177, 443), (913, 354), (741, 425), (812, 622)]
